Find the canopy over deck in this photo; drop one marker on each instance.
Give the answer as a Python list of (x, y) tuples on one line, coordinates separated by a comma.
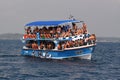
[(51, 23)]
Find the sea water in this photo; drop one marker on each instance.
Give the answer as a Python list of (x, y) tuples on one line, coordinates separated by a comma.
[(105, 64)]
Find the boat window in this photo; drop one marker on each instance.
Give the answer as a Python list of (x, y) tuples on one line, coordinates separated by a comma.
[(47, 44), (40, 44)]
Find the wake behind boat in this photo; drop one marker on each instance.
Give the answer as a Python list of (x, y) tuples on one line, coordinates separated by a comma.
[(58, 40)]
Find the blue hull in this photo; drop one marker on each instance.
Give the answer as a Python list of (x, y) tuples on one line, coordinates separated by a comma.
[(60, 54)]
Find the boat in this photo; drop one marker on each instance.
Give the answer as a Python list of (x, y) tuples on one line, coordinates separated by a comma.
[(58, 39)]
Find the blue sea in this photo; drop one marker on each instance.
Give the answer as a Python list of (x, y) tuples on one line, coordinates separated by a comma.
[(105, 64)]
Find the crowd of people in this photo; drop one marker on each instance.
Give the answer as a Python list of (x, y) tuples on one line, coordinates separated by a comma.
[(45, 45), (48, 45), (55, 32), (77, 43)]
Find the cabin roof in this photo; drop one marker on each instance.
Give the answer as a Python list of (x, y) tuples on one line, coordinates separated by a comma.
[(50, 23)]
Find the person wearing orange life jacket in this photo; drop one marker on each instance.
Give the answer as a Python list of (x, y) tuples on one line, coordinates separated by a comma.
[(25, 36), (92, 38), (59, 46), (34, 46)]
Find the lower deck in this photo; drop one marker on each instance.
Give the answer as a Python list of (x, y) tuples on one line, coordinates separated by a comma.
[(60, 54)]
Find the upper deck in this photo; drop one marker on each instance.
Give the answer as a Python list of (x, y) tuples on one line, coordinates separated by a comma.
[(60, 30)]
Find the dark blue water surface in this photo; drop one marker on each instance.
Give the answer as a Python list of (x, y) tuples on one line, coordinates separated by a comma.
[(105, 64)]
